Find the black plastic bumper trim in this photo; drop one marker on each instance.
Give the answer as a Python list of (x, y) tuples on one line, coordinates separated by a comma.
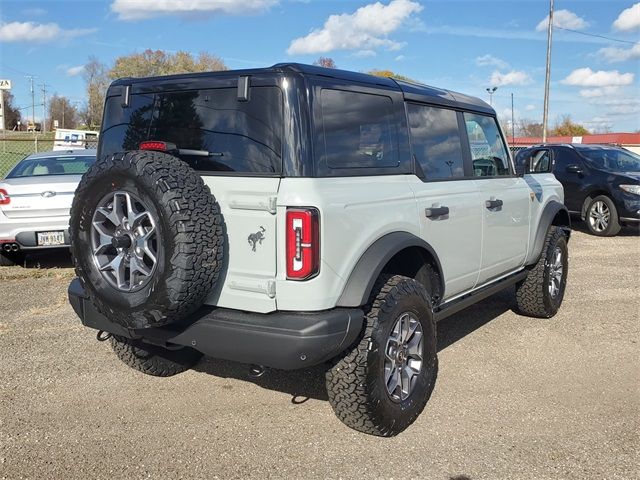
[(285, 340)]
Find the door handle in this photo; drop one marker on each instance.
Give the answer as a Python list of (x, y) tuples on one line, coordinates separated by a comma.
[(433, 212), (493, 203)]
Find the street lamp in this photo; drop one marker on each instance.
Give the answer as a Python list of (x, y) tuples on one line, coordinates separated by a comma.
[(491, 91)]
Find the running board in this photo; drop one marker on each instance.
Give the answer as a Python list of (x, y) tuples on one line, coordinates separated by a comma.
[(451, 307)]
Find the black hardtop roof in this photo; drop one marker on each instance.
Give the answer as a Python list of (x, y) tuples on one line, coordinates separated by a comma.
[(412, 91)]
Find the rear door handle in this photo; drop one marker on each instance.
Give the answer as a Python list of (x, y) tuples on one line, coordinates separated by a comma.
[(433, 212), (491, 204)]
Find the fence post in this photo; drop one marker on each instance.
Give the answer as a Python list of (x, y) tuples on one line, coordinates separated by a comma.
[(36, 143)]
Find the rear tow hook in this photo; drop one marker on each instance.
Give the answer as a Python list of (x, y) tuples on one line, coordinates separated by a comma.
[(103, 336)]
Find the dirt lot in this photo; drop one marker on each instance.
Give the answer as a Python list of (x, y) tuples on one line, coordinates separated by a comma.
[(515, 398)]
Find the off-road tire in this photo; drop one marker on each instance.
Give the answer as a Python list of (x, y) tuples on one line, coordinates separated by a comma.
[(355, 384), (189, 224), (152, 359), (613, 227), (11, 259), (532, 294)]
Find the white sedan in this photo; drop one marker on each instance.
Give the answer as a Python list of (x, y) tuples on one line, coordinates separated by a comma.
[(35, 199)]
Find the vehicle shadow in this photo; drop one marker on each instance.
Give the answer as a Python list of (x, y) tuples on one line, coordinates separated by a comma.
[(309, 383), (60, 258), (627, 231)]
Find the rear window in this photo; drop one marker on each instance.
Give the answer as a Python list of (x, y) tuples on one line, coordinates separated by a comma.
[(358, 130), (242, 137), (33, 167)]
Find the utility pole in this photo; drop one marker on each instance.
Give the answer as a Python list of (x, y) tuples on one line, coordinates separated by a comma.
[(513, 124), (491, 91), (33, 102), (43, 128), (547, 77)]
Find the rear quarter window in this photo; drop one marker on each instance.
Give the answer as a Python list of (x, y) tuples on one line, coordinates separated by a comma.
[(358, 130)]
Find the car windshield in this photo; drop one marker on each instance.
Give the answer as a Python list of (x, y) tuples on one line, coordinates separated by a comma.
[(54, 165), (615, 159)]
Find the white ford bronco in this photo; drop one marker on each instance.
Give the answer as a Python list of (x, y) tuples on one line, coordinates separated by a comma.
[(294, 216)]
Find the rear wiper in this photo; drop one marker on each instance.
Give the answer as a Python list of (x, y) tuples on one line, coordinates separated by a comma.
[(198, 153)]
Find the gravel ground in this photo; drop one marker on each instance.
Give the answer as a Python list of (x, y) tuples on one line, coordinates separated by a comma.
[(515, 398)]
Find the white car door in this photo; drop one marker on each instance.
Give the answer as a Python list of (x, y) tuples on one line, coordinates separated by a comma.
[(449, 204), (505, 199)]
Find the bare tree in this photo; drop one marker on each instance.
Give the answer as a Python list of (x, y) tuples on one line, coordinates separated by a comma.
[(325, 62), (151, 63), (97, 82), (61, 109), (530, 128)]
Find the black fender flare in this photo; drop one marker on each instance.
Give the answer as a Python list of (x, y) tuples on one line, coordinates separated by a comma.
[(547, 217), (368, 268)]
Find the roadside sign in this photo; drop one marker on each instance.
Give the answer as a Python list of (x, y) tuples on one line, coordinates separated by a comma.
[(5, 84)]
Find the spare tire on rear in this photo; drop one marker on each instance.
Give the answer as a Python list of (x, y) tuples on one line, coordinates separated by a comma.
[(147, 238)]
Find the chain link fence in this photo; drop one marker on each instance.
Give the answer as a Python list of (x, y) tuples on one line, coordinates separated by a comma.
[(14, 147)]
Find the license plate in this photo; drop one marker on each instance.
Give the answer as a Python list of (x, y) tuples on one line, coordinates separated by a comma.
[(47, 239)]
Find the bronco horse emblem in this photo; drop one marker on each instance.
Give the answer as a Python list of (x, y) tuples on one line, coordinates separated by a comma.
[(256, 238)]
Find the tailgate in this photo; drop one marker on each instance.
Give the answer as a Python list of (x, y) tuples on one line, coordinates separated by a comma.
[(249, 209)]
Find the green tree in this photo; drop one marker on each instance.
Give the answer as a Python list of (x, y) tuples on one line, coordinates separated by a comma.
[(11, 113), (566, 127)]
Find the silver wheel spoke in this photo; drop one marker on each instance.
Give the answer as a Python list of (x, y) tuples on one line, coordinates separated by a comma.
[(403, 356), (124, 241)]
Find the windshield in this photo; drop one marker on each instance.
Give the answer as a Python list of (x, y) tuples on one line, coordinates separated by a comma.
[(67, 165), (615, 159)]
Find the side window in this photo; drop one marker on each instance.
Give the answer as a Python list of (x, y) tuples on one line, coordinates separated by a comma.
[(435, 141), (359, 130), (488, 151), (540, 161)]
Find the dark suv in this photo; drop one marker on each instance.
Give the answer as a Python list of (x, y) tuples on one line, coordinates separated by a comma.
[(601, 182)]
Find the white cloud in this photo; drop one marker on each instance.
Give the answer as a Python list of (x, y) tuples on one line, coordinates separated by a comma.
[(38, 32), (598, 92), (491, 61), (73, 71), (530, 107), (514, 77), (615, 54), (367, 28), (399, 58), (585, 77), (563, 19), (365, 53), (143, 9), (629, 19)]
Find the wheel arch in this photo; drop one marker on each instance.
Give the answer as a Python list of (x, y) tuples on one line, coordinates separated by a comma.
[(399, 253), (590, 196), (556, 214)]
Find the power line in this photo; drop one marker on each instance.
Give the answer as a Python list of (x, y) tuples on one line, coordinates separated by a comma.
[(596, 35)]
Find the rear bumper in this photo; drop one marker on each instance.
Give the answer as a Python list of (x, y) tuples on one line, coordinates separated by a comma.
[(25, 233), (285, 340)]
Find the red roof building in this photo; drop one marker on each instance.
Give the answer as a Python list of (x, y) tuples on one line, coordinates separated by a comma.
[(624, 139)]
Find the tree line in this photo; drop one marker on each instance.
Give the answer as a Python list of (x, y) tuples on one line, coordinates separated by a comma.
[(98, 75)]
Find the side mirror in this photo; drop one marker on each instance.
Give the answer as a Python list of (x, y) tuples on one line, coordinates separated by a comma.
[(573, 168), (521, 169)]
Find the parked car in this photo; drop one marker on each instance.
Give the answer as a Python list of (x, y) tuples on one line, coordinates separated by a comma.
[(601, 182), (295, 215), (35, 199)]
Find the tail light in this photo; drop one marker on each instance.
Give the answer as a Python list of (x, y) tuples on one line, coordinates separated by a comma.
[(303, 243), (4, 197), (157, 145)]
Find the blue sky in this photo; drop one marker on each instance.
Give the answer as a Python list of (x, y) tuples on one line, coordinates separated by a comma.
[(460, 45)]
